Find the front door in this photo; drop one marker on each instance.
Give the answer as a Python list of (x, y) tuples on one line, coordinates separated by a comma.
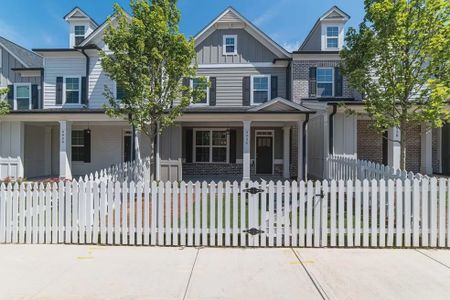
[(127, 146), (264, 154)]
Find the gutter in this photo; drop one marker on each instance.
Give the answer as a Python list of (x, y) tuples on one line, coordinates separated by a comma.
[(331, 129), (305, 123)]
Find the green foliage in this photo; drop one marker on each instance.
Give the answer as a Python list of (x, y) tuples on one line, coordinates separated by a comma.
[(148, 57), (4, 106), (399, 59)]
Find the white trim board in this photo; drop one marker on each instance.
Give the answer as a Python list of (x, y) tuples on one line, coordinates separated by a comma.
[(247, 65)]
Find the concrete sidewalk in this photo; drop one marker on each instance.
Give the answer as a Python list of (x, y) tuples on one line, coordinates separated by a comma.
[(91, 272)]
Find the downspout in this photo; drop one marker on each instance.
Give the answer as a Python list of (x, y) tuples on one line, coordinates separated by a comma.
[(83, 51), (305, 123), (331, 129)]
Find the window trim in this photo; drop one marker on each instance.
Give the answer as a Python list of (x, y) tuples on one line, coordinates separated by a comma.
[(269, 87), (224, 45), (331, 37), (75, 35), (332, 81), (191, 84), (64, 90), (16, 85), (76, 146), (210, 146)]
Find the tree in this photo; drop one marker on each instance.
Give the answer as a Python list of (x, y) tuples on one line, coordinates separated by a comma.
[(4, 106), (148, 58), (399, 59)]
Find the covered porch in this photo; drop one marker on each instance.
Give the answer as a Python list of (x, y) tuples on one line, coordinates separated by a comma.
[(218, 145), (63, 145)]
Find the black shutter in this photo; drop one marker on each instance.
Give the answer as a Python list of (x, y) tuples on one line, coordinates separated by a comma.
[(186, 83), (313, 82), (232, 146), (212, 91), (274, 87), (11, 96), (59, 90), (84, 95), (188, 144), (246, 91), (120, 91), (34, 96), (87, 146), (338, 82)]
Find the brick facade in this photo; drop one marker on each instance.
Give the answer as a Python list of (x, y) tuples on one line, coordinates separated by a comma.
[(300, 78), (370, 143), (435, 151), (413, 149), (200, 169)]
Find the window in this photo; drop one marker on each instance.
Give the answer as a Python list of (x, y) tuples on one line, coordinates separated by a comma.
[(229, 44), (72, 90), (120, 91), (23, 96), (201, 84), (260, 87), (211, 146), (324, 82), (332, 37), (78, 145), (80, 32)]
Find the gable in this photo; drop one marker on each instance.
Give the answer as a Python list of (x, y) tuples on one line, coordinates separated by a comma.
[(231, 19), (249, 49)]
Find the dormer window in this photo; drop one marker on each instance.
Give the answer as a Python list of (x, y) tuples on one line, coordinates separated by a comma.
[(229, 44), (332, 37), (80, 32)]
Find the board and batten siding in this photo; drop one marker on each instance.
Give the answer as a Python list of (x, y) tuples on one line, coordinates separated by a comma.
[(249, 49), (8, 76), (229, 82)]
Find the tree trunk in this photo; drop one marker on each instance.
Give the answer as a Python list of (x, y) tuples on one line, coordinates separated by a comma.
[(403, 139)]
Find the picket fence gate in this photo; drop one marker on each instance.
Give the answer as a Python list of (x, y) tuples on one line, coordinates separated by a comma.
[(253, 214)]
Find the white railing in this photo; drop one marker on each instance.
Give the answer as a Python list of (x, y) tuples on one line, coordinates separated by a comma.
[(400, 213), (345, 168), (137, 170)]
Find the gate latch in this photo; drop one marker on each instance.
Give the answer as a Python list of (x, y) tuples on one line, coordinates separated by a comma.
[(253, 190), (253, 231)]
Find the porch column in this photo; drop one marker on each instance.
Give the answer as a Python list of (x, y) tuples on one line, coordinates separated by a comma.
[(246, 150), (394, 148), (65, 149), (300, 174), (426, 144), (286, 151)]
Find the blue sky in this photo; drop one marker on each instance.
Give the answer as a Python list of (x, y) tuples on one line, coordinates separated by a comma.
[(39, 24)]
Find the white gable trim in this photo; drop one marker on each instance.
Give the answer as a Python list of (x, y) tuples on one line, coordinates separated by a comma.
[(14, 55), (250, 28), (280, 100), (336, 9)]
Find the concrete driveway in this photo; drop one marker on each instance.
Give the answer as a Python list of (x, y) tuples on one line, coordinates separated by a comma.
[(91, 272)]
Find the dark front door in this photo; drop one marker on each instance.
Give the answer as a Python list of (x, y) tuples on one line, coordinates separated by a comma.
[(446, 149), (127, 147), (264, 154)]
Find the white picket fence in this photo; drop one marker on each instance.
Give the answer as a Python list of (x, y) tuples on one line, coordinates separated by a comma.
[(137, 170), (348, 168), (289, 214)]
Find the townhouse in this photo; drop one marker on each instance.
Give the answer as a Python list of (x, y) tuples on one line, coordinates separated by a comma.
[(268, 113)]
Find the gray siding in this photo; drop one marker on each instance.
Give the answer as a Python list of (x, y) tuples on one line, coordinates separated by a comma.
[(8, 76), (229, 82), (315, 40), (249, 49)]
